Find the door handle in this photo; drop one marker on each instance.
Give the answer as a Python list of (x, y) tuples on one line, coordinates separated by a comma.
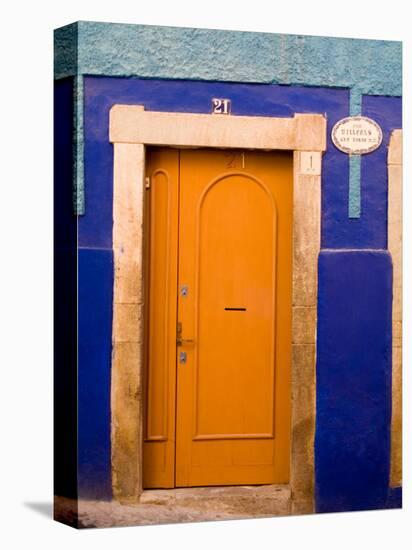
[(183, 342)]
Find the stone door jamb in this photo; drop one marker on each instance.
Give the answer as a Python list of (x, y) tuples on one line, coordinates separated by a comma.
[(131, 129)]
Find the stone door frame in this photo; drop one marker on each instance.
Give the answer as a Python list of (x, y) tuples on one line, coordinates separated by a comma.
[(131, 129)]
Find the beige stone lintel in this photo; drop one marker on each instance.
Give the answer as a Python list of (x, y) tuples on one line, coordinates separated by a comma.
[(310, 132), (132, 124)]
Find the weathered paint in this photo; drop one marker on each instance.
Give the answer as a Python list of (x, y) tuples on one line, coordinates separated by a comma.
[(364, 66), (352, 443)]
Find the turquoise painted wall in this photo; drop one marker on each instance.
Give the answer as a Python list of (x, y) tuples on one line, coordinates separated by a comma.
[(372, 67)]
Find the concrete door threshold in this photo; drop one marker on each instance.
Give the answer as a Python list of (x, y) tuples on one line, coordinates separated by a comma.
[(279, 494), (229, 502), (193, 504)]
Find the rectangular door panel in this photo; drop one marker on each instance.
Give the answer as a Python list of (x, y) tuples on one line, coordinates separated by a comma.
[(161, 229)]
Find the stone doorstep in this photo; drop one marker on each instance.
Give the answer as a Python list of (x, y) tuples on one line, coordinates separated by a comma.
[(279, 493), (245, 500), (160, 506)]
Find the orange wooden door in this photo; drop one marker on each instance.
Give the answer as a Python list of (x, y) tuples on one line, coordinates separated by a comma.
[(230, 372)]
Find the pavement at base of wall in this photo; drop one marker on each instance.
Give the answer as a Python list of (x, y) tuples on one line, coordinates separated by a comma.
[(162, 506)]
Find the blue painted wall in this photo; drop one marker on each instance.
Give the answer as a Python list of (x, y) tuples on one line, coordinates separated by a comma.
[(354, 330), (171, 95), (65, 299), (95, 288), (83, 282), (394, 498), (353, 375), (338, 231)]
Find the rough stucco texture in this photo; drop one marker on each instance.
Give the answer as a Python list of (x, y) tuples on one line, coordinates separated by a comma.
[(363, 66), (373, 66)]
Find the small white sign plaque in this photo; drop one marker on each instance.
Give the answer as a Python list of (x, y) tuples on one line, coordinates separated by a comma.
[(221, 106), (357, 135), (310, 163)]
